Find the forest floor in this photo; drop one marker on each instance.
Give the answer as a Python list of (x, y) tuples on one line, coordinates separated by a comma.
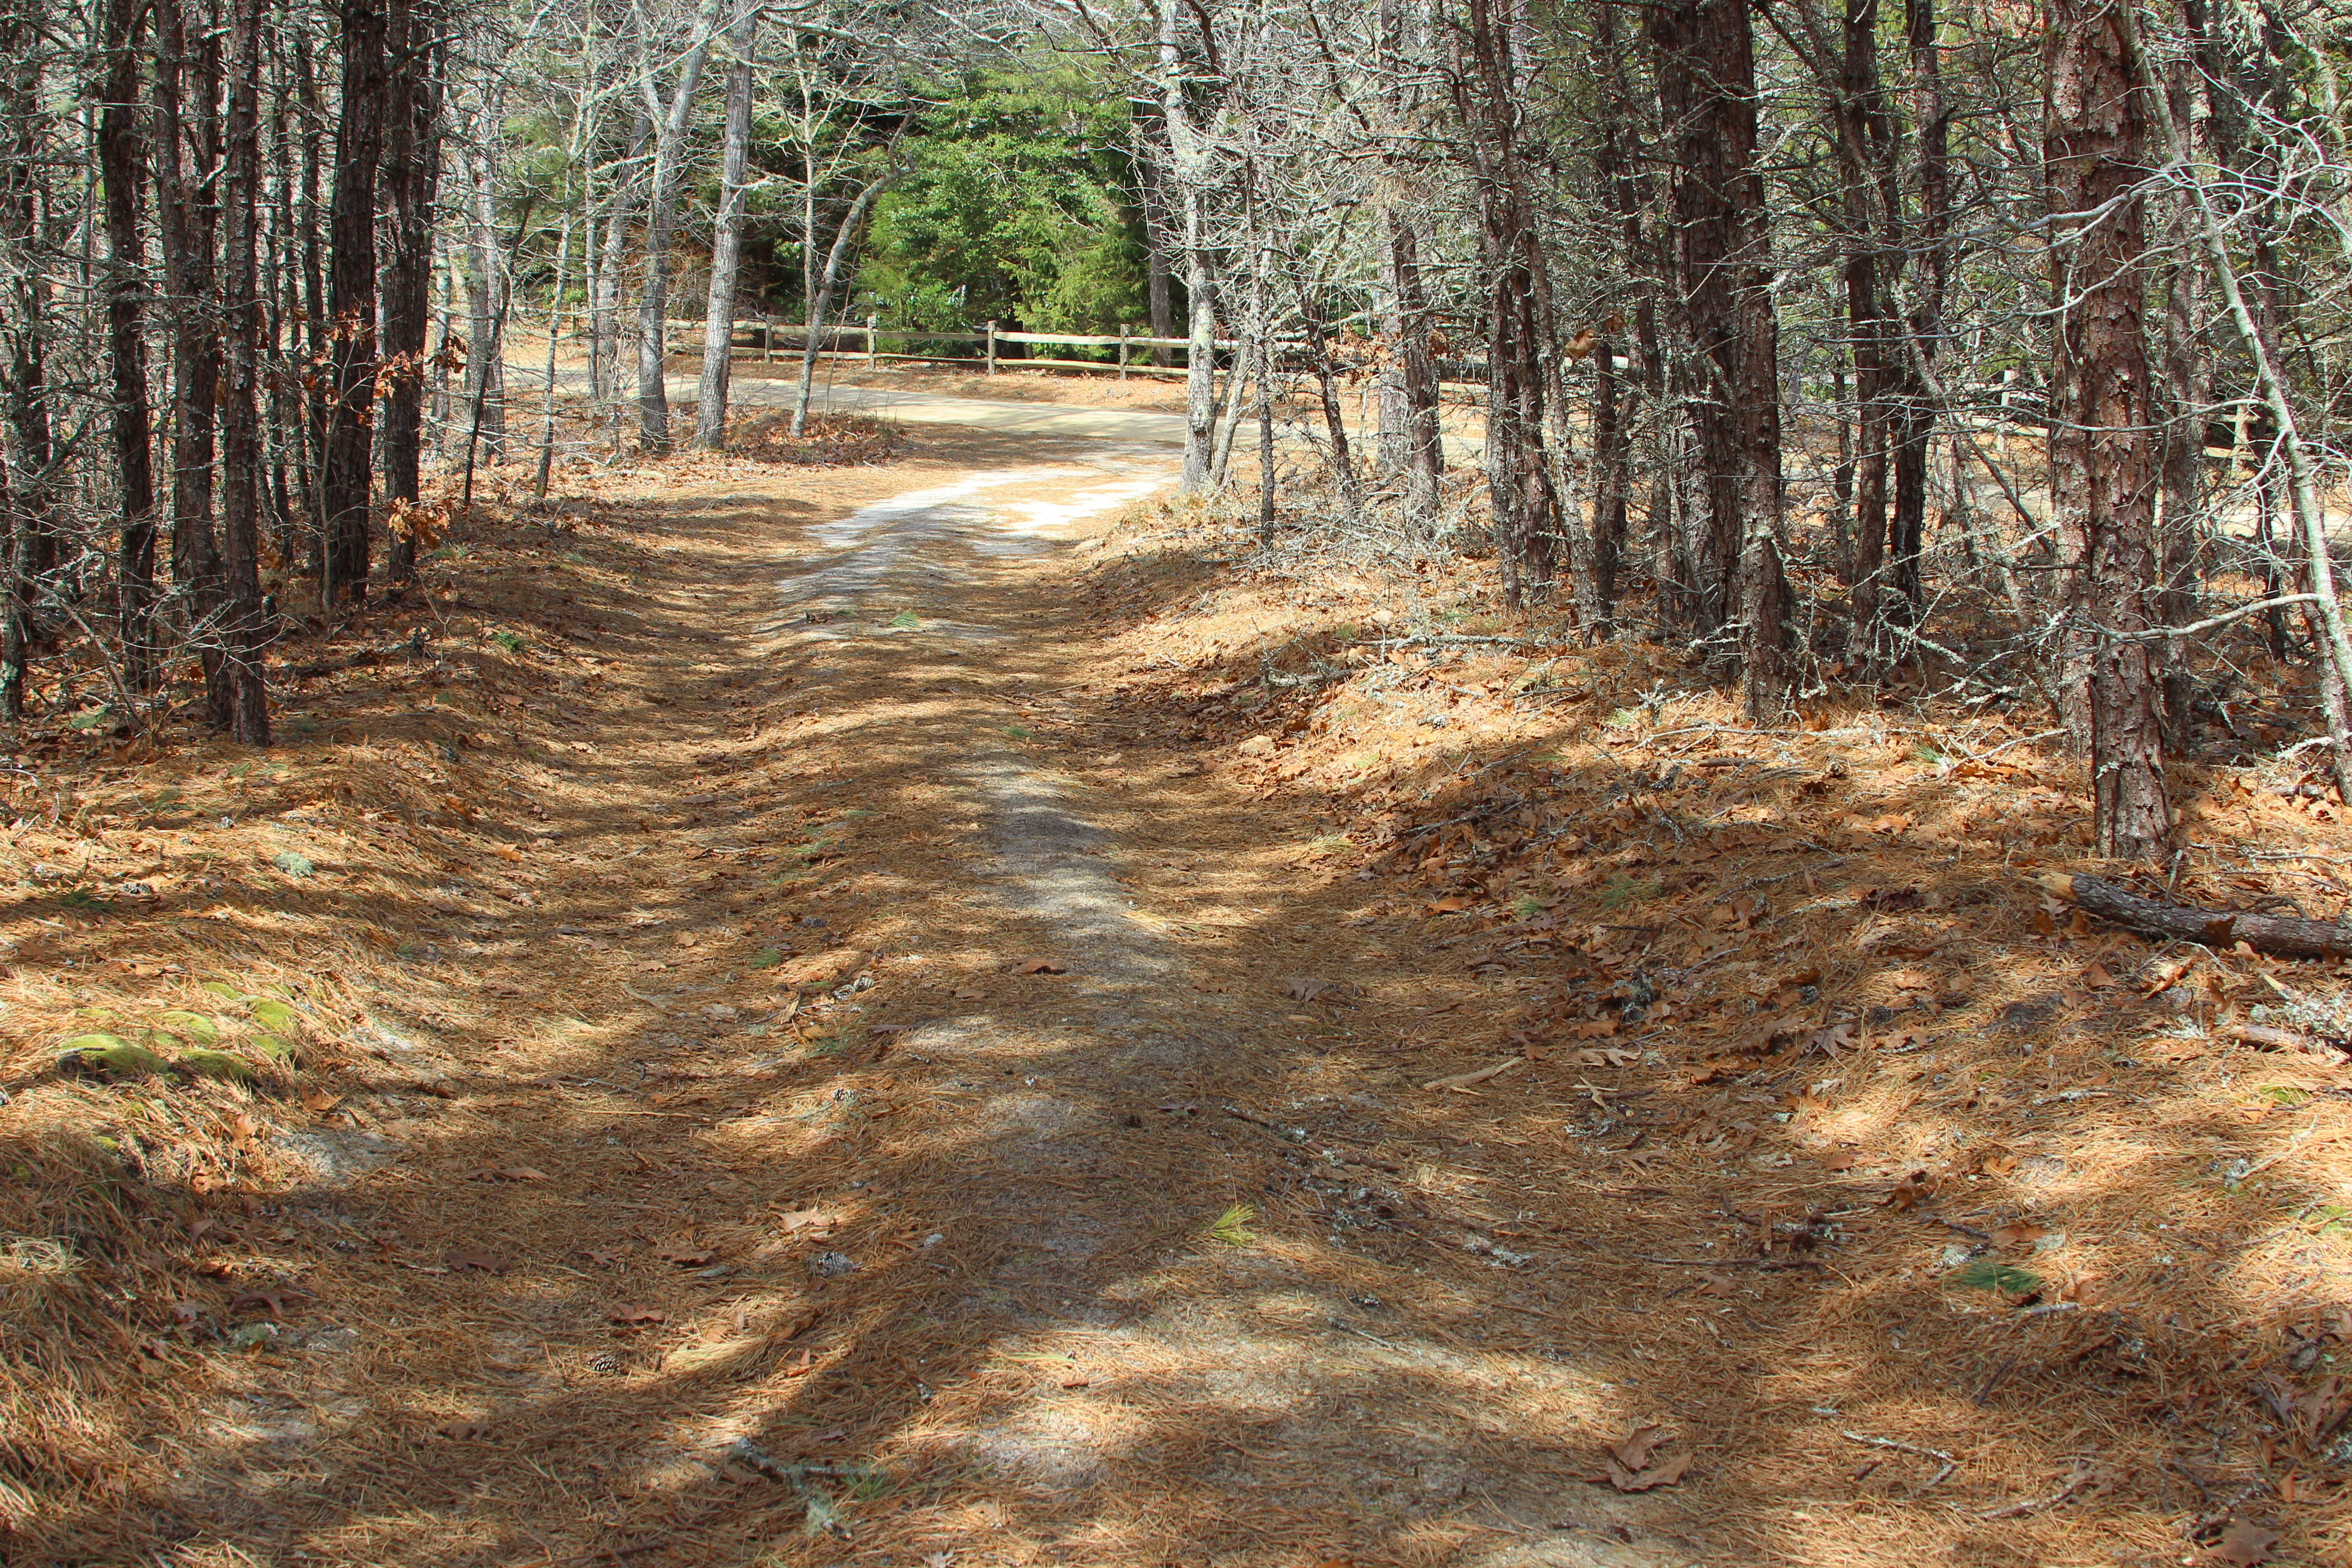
[(947, 1011)]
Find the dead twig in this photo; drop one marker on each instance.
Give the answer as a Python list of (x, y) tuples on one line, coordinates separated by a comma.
[(2083, 1476), (1865, 1438)]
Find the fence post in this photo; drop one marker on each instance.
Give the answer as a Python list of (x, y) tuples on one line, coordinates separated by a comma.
[(992, 348), (1122, 351), (767, 340), (871, 322)]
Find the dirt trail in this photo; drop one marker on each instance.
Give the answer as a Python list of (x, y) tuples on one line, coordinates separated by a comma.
[(789, 1210)]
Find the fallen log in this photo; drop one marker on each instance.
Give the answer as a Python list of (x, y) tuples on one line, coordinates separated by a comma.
[(2283, 934)]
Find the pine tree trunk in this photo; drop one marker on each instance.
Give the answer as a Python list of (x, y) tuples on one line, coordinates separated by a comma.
[(1913, 431), (483, 420), (1861, 119), (412, 179), (1706, 90), (358, 147), (1615, 397), (727, 236), (122, 166), (24, 389), (2103, 452), (243, 630), (1410, 446), (187, 80)]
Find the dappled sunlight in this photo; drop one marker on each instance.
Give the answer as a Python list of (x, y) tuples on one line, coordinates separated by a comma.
[(923, 1083)]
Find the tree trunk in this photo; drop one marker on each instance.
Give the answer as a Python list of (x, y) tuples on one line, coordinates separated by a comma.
[(1410, 446), (1615, 398), (1188, 171), (484, 418), (1150, 147), (604, 295), (1913, 430), (310, 223), (29, 456), (412, 179), (727, 236), (2103, 453), (243, 630), (1489, 98), (1862, 120), (358, 147), (842, 240), (2183, 391), (188, 78), (661, 215), (122, 166), (1707, 89)]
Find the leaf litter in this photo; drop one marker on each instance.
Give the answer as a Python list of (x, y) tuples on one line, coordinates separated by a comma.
[(1817, 1009)]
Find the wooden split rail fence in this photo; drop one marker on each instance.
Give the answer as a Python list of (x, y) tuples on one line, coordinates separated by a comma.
[(766, 337)]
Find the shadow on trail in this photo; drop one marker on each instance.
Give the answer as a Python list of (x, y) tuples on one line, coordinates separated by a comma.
[(959, 1257)]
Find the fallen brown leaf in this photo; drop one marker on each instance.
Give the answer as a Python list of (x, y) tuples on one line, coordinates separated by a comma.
[(2246, 1544), (1310, 990), (1664, 1475), (799, 1220), (1041, 966), (460, 1258), (636, 1315), (2019, 1235), (465, 1431), (1912, 1191), (1634, 1450), (684, 1257), (506, 1173)]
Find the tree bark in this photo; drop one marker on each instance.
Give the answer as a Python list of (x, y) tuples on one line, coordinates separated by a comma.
[(1860, 116), (727, 235), (2103, 452), (1150, 147), (1912, 429), (485, 417), (29, 457), (243, 629), (122, 166), (605, 294), (831, 278), (412, 179), (1410, 446), (359, 148), (1189, 171), (1707, 88), (187, 80), (1615, 397), (661, 217), (2283, 934), (1489, 97)]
